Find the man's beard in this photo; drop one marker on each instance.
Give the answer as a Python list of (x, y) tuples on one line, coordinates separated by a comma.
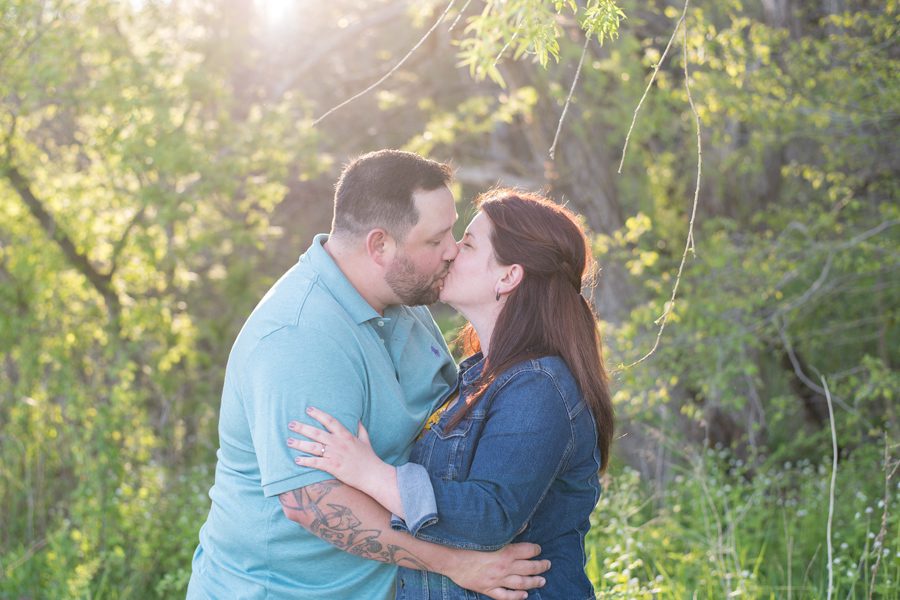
[(411, 287)]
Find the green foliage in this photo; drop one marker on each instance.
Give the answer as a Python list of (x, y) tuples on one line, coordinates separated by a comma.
[(790, 284), (725, 528), (473, 118), (160, 139), (802, 280), (529, 28), (126, 134), (602, 18)]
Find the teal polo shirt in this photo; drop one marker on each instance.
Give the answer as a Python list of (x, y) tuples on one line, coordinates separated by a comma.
[(311, 341)]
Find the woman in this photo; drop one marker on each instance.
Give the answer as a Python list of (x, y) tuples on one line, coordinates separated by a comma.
[(515, 455)]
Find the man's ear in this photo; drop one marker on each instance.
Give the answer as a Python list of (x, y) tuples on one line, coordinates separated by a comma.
[(380, 246), (511, 279)]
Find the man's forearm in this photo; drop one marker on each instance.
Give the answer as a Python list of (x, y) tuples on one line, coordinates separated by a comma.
[(355, 523), (352, 521)]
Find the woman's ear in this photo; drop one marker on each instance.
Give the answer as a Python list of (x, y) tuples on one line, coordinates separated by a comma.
[(380, 246), (511, 279)]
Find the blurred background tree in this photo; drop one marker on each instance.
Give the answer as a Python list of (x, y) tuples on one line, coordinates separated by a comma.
[(159, 168)]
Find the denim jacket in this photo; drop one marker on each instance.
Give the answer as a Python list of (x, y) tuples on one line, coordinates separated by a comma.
[(522, 466)]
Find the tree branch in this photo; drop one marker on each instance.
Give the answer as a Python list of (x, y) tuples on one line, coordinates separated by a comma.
[(459, 16), (123, 239), (689, 242), (811, 291), (323, 50), (562, 117), (101, 282), (392, 71), (650, 83), (798, 371), (861, 237)]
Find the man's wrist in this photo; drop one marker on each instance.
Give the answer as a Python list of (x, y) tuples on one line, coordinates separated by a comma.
[(451, 563)]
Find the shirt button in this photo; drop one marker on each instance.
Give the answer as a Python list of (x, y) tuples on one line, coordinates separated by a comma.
[(381, 323)]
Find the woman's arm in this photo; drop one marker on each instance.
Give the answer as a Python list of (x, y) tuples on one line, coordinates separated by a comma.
[(349, 458), (521, 449)]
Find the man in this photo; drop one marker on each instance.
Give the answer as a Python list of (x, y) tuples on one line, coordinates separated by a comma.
[(339, 332)]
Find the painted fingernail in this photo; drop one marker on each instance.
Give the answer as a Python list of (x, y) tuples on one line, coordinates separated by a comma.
[(309, 409), (299, 461), (293, 425)]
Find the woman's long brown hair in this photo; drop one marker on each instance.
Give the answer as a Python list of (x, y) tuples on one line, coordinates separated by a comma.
[(546, 313)]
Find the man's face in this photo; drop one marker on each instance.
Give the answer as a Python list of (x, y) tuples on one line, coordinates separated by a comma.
[(417, 272)]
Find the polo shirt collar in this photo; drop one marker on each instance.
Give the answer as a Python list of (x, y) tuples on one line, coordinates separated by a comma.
[(337, 283)]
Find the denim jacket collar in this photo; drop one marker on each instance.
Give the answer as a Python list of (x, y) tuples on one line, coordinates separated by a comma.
[(470, 369)]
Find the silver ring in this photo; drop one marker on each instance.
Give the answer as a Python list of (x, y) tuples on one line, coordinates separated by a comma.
[(323, 451)]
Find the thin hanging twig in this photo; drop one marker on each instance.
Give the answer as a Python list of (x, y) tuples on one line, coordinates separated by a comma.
[(462, 11), (562, 117), (506, 45), (392, 71), (834, 464), (689, 243), (650, 83)]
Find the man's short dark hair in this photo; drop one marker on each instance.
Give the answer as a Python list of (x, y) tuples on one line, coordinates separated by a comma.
[(376, 189)]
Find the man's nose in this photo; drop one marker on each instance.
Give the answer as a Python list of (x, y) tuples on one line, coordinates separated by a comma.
[(451, 252)]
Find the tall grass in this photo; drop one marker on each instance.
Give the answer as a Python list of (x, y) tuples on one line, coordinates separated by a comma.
[(725, 528), (719, 528)]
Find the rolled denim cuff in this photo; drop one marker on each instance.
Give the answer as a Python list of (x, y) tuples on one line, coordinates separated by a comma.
[(417, 496)]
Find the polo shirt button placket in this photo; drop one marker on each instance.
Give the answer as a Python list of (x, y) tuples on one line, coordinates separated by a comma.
[(380, 323)]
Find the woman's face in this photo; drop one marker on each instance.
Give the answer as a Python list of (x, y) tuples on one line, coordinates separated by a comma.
[(475, 273)]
